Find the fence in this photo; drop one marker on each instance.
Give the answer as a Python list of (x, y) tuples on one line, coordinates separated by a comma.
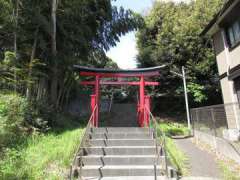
[(215, 119), (211, 125)]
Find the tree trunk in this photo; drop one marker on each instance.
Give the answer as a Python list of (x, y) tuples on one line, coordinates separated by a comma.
[(41, 91), (15, 13), (68, 92), (61, 90), (54, 27), (29, 83), (66, 88), (54, 79)]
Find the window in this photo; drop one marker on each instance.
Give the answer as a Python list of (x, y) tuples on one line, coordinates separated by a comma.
[(233, 33)]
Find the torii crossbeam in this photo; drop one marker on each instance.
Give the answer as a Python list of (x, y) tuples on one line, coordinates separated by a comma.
[(100, 74)]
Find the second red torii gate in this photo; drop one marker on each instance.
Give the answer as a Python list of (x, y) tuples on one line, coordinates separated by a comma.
[(99, 74)]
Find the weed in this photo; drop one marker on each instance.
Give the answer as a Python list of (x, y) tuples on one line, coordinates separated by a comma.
[(227, 173), (177, 158), (42, 156)]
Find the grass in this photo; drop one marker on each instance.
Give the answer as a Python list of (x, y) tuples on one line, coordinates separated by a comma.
[(42, 156), (174, 129), (177, 158), (227, 173)]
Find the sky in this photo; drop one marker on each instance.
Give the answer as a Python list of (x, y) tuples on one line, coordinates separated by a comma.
[(124, 54)]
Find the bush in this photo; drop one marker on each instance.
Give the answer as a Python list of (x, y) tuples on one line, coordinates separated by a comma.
[(12, 109), (44, 156), (38, 116), (174, 129), (19, 118), (26, 152)]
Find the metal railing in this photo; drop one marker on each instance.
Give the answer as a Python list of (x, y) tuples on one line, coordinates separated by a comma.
[(160, 138), (77, 160)]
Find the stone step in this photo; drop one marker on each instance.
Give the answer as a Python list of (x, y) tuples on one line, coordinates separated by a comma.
[(119, 150), (129, 135), (128, 178), (120, 153), (121, 160), (108, 171), (122, 142), (120, 130)]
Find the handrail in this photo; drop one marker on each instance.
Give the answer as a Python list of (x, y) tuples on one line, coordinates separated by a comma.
[(159, 147), (83, 140)]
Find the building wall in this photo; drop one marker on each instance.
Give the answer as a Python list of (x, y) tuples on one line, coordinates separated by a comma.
[(226, 86), (226, 59), (234, 55), (220, 54)]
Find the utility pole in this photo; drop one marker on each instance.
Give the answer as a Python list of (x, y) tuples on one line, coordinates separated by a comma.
[(186, 96), (183, 76)]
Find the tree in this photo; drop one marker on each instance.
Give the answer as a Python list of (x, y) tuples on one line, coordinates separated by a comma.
[(54, 35), (171, 36), (54, 82)]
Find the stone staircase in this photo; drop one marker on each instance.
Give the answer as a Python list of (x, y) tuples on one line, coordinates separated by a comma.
[(120, 153)]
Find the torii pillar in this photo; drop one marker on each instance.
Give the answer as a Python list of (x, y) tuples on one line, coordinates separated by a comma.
[(95, 101), (141, 102)]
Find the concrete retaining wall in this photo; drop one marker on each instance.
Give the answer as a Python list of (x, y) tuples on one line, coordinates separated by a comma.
[(80, 106), (220, 145)]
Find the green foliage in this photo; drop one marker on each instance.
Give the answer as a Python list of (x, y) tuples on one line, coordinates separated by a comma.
[(198, 92), (12, 108), (178, 159), (13, 73), (6, 69), (86, 29), (26, 153), (111, 64), (174, 129), (228, 172), (171, 36), (38, 117), (20, 118), (6, 26), (42, 157), (10, 58)]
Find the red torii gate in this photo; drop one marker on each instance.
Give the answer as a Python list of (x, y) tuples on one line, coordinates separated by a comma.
[(99, 74)]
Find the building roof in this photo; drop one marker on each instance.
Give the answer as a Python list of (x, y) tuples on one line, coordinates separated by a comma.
[(213, 22)]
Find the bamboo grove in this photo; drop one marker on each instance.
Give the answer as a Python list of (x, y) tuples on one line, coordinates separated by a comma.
[(41, 40)]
